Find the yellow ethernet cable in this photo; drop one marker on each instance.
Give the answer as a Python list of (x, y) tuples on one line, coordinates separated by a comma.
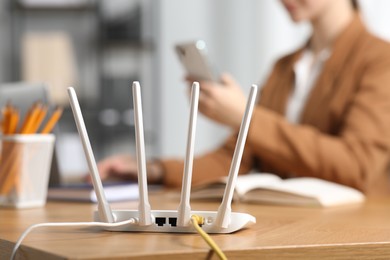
[(198, 220)]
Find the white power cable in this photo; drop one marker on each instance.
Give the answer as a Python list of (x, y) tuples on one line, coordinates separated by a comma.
[(67, 224)]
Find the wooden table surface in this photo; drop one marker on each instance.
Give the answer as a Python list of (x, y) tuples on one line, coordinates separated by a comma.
[(348, 232)]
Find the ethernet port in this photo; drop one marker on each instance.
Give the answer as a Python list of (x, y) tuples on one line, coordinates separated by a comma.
[(172, 221), (161, 221)]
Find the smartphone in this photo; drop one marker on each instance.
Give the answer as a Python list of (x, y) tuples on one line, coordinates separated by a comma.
[(193, 56)]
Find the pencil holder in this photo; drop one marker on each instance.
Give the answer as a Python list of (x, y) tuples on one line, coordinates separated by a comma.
[(24, 169)]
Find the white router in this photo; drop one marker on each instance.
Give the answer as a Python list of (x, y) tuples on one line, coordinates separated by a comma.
[(173, 221)]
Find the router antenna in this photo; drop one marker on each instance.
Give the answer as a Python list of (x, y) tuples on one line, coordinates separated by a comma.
[(223, 216), (145, 215), (103, 206), (184, 209)]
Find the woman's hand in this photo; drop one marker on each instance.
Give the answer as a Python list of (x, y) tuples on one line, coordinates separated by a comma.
[(223, 102), (121, 166), (124, 167)]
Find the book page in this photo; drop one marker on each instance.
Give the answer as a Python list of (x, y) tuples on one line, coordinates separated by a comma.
[(325, 192), (252, 181), (244, 184)]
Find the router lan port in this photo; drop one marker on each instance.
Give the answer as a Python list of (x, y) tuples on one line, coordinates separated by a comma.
[(172, 222), (160, 221)]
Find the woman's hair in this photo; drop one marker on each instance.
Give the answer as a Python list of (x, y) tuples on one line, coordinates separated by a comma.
[(355, 4)]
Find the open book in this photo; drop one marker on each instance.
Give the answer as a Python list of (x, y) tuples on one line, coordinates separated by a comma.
[(269, 188)]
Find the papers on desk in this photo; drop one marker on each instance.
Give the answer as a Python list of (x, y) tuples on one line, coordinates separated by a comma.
[(268, 188), (85, 192)]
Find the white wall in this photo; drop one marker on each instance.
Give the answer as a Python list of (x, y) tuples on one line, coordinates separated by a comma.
[(244, 38), (376, 15), (178, 21)]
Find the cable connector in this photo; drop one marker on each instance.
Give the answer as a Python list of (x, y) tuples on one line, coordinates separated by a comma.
[(198, 219), (196, 222)]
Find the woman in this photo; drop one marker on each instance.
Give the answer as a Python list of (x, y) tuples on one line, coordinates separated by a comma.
[(323, 112)]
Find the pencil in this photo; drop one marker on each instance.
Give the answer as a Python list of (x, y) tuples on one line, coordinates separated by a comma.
[(52, 121), (7, 118), (42, 111), (3, 121), (10, 169), (30, 119), (13, 122)]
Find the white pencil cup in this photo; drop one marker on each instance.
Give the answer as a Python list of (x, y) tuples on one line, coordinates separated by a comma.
[(25, 164)]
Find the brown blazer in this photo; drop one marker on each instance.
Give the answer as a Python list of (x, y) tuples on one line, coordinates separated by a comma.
[(344, 134)]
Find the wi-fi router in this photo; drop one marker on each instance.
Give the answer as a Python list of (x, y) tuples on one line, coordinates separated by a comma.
[(175, 221)]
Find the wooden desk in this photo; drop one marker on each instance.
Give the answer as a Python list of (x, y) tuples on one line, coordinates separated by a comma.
[(353, 232)]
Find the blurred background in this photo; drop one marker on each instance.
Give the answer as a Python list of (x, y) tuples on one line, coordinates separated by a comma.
[(101, 47)]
